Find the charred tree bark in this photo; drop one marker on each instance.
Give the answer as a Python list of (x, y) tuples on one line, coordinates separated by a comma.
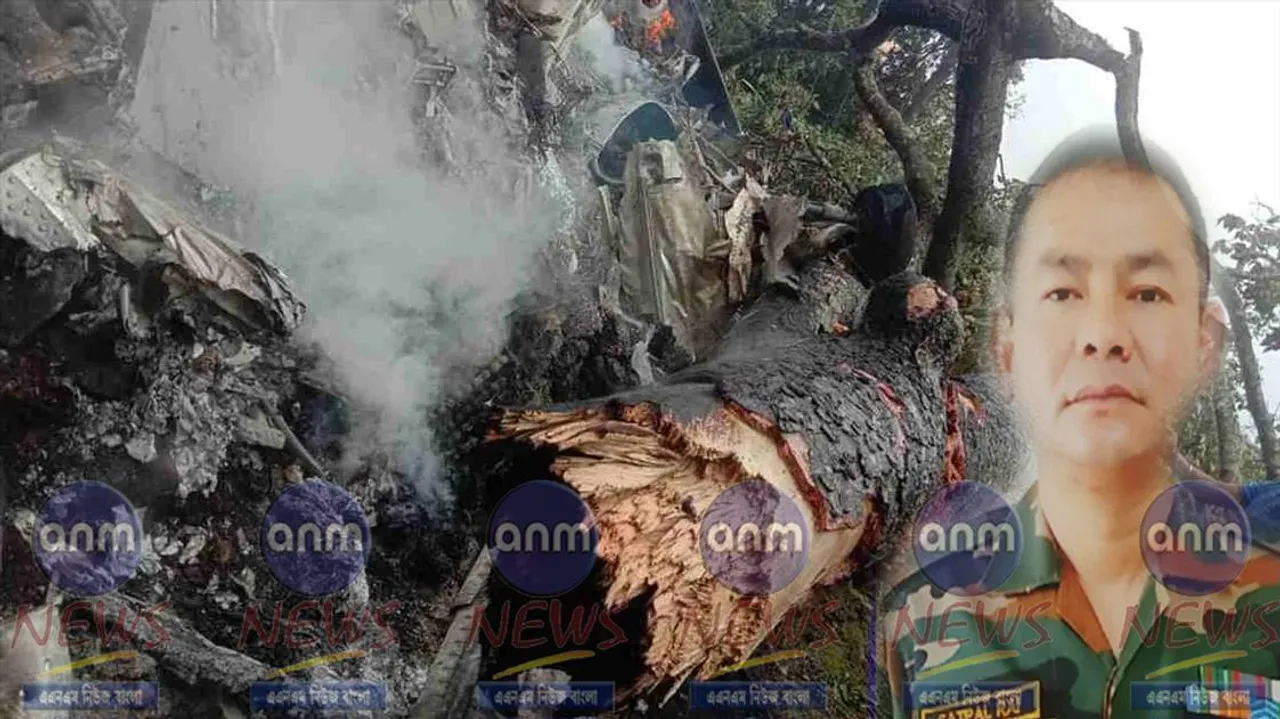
[(860, 428)]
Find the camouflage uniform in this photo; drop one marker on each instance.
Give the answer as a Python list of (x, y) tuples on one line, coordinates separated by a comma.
[(1038, 627)]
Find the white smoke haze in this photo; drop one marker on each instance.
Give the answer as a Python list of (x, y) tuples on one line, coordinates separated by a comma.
[(612, 62), (404, 272)]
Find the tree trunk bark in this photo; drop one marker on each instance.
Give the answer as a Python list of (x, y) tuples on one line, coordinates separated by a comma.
[(941, 74), (917, 171), (1224, 422), (1249, 373), (982, 87), (859, 428)]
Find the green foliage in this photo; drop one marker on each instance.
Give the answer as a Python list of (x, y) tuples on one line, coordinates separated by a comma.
[(1198, 430), (1254, 246), (979, 279), (815, 93)]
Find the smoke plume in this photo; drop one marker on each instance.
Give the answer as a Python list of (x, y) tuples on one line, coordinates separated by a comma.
[(306, 108), (613, 63)]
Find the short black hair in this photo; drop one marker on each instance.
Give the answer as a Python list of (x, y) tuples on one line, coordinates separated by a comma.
[(1101, 146)]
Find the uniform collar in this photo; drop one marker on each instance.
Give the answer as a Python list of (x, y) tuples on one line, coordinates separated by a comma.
[(1041, 562), (1041, 565)]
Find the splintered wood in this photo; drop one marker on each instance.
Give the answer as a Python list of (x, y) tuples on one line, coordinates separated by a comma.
[(648, 479)]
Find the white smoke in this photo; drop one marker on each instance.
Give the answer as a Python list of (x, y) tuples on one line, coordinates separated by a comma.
[(613, 63), (307, 106)]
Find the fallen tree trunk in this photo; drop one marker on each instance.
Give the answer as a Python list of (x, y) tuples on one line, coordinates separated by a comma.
[(860, 428)]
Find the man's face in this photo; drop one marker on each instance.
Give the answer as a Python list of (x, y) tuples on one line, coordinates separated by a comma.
[(1106, 338)]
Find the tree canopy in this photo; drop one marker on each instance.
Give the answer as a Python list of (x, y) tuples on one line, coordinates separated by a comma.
[(1254, 247), (837, 95)]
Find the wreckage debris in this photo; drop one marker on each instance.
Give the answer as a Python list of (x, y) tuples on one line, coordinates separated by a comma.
[(646, 121), (55, 202), (668, 264), (87, 245), (690, 249), (153, 354), (693, 236)]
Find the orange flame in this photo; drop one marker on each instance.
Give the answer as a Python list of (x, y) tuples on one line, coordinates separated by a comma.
[(659, 28)]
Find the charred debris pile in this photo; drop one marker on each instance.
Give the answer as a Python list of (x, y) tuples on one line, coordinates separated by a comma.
[(143, 348)]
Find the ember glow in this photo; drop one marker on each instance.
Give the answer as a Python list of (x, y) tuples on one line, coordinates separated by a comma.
[(659, 28)]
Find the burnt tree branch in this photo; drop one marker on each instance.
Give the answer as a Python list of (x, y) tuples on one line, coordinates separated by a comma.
[(185, 652), (1044, 32), (864, 37), (1127, 102), (945, 17), (918, 171)]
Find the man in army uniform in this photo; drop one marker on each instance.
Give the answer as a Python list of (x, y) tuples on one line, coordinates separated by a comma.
[(1106, 334)]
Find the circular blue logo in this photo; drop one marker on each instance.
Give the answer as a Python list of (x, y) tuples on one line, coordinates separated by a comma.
[(88, 539), (967, 539), (315, 538), (753, 538), (1195, 538), (543, 538)]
